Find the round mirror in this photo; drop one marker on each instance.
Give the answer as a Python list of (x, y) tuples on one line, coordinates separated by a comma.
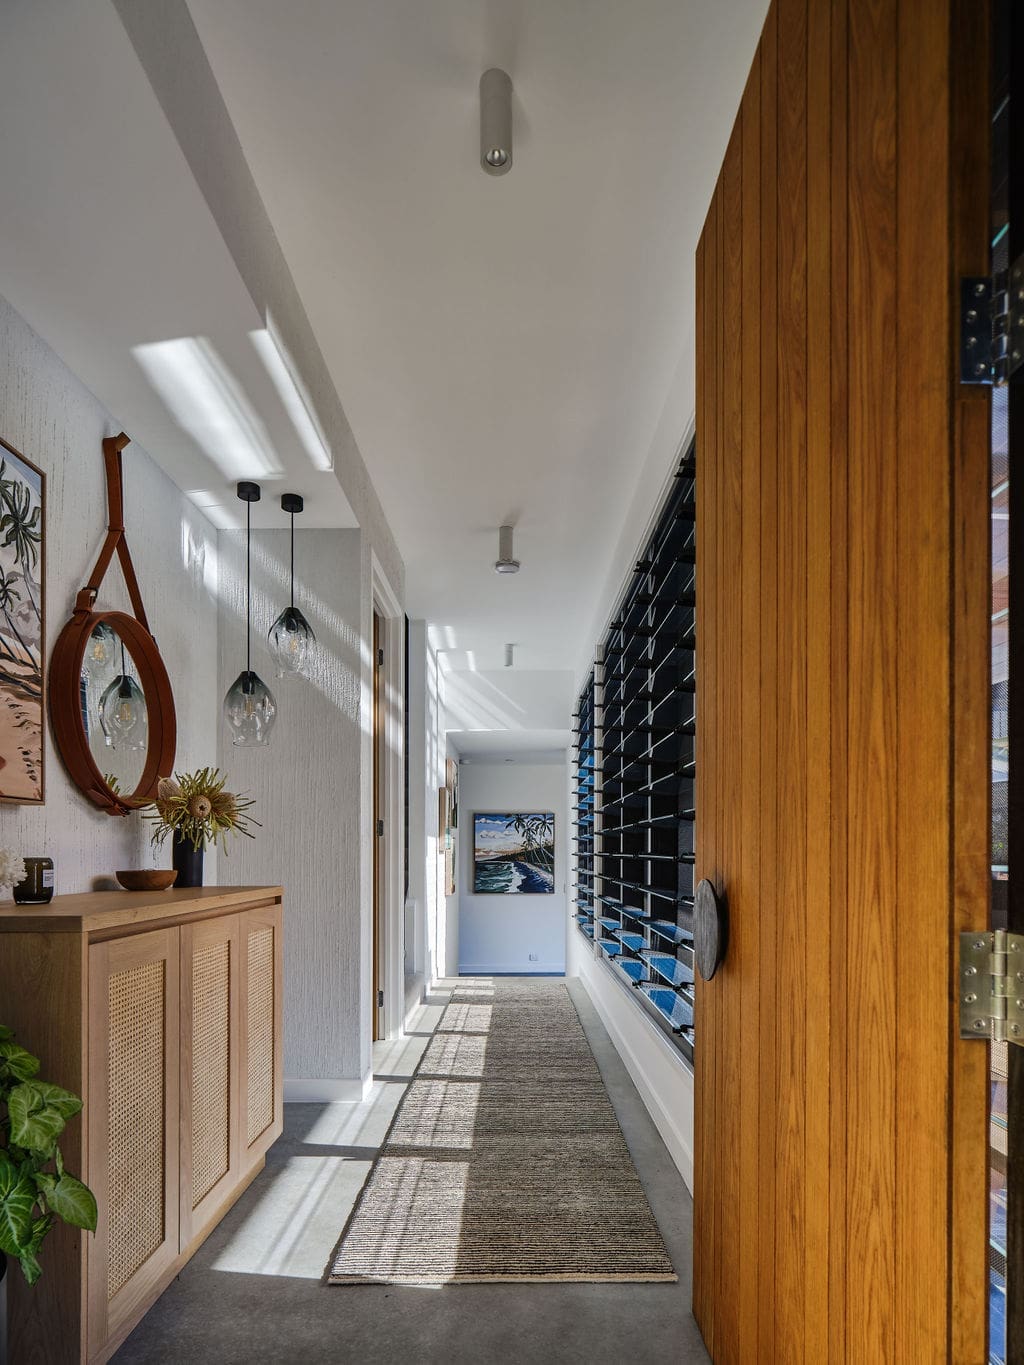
[(112, 709)]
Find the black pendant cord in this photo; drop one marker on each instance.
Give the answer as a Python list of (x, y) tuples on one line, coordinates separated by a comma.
[(124, 690), (292, 515), (248, 588)]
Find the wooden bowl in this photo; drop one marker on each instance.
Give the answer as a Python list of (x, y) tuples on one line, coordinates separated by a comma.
[(147, 879)]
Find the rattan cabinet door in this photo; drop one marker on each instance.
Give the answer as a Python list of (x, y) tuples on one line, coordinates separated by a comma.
[(210, 1058), (133, 1126), (261, 972)]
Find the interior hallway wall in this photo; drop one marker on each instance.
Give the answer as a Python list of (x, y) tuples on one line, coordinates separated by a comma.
[(450, 931), (432, 913), (314, 838), (55, 422), (512, 933)]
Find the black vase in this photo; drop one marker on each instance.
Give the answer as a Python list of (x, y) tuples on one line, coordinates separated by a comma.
[(187, 861)]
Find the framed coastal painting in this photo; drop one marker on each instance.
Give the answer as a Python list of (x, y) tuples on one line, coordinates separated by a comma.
[(22, 617), (514, 853)]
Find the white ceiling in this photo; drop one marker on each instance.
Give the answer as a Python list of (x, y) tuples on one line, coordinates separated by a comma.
[(106, 244), (525, 746), (506, 349), (503, 347)]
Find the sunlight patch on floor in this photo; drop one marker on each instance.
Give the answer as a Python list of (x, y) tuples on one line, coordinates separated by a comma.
[(363, 1124), (293, 1228)]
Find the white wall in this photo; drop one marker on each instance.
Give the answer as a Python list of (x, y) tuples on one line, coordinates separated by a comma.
[(306, 783), (499, 933), (452, 925), (508, 699), (434, 915), (656, 1066), (55, 422)]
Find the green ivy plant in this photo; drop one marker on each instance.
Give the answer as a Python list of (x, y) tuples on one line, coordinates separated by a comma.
[(34, 1186)]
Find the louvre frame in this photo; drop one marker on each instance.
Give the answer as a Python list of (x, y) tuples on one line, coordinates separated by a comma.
[(635, 774)]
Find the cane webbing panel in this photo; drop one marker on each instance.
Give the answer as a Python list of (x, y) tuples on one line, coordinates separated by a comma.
[(211, 1073), (135, 1116), (260, 1039)]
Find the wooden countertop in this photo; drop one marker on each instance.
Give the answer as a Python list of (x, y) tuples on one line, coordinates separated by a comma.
[(106, 912)]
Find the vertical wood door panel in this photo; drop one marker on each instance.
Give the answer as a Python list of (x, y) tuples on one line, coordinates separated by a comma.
[(841, 747), (210, 1067), (260, 1004), (133, 1125)]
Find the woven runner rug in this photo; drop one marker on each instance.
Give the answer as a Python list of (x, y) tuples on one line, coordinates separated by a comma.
[(505, 1160)]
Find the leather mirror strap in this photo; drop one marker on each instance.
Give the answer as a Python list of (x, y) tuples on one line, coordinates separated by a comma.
[(115, 538)]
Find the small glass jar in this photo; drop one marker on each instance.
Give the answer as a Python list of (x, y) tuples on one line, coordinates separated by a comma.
[(37, 888)]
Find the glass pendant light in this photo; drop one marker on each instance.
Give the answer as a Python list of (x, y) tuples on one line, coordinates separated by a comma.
[(123, 715), (249, 706), (291, 636), (101, 650)]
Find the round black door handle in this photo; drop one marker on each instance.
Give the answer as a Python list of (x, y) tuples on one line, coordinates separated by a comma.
[(710, 929)]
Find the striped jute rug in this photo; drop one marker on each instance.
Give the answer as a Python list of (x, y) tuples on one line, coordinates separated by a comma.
[(505, 1160)]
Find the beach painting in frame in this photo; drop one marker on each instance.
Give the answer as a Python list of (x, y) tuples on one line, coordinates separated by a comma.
[(22, 501), (514, 854)]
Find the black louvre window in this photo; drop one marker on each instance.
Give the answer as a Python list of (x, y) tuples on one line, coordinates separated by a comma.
[(635, 775)]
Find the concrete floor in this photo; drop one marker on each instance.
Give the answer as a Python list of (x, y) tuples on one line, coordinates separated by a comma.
[(252, 1293)]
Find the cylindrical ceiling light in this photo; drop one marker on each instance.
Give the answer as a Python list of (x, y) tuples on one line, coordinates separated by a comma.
[(495, 122), (509, 655), (506, 561), (291, 635), (249, 706)]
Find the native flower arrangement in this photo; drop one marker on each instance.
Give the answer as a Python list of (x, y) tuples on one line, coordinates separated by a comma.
[(196, 808), (12, 867)]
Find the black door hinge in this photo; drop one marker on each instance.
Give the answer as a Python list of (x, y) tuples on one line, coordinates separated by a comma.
[(380, 657), (380, 1000), (380, 828), (992, 326)]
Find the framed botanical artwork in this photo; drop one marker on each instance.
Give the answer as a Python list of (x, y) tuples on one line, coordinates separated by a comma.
[(514, 853), (22, 627)]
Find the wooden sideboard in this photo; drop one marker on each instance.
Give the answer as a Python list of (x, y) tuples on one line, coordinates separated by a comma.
[(163, 1011)]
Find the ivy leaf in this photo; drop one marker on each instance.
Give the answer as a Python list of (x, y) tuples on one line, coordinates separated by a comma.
[(17, 1196), (44, 1182), (30, 1266), (16, 1061), (5, 1033), (34, 1124), (54, 1097), (74, 1202)]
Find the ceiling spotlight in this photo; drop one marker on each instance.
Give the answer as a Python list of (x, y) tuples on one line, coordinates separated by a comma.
[(509, 652), (506, 562), (495, 122)]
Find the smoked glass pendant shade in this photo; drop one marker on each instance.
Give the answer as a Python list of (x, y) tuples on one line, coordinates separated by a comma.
[(291, 636), (249, 710), (123, 714), (291, 639), (249, 706)]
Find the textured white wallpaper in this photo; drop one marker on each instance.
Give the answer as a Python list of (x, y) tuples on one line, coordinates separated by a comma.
[(307, 785), (57, 424)]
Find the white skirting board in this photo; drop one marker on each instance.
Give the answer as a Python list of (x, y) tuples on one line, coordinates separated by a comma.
[(327, 1091), (513, 969), (656, 1067)]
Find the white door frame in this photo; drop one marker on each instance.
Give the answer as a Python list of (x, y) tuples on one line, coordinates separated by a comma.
[(392, 890)]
